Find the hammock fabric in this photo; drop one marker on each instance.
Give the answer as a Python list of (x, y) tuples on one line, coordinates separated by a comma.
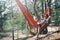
[(27, 15), (47, 11)]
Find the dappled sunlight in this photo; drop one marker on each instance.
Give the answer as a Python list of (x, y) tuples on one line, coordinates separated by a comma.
[(29, 19)]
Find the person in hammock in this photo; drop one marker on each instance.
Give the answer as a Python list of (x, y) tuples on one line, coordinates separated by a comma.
[(42, 20)]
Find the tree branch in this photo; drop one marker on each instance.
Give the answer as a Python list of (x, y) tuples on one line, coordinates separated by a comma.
[(35, 9)]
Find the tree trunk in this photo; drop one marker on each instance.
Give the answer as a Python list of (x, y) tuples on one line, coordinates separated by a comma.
[(35, 9)]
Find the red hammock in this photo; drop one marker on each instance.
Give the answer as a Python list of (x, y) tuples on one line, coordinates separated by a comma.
[(27, 15), (47, 11)]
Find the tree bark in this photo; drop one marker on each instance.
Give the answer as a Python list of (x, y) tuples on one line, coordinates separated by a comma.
[(35, 9)]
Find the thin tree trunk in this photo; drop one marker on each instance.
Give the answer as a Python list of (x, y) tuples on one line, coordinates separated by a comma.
[(35, 9)]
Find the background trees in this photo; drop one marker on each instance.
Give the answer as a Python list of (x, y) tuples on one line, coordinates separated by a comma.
[(2, 16), (11, 16)]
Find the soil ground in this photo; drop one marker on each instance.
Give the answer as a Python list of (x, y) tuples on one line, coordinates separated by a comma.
[(20, 36)]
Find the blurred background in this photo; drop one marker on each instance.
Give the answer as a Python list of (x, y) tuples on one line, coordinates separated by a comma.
[(13, 24)]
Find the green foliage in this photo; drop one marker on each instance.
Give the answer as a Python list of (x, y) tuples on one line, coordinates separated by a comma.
[(17, 21), (55, 13), (2, 17)]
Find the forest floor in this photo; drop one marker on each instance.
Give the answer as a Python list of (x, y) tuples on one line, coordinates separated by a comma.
[(21, 36)]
